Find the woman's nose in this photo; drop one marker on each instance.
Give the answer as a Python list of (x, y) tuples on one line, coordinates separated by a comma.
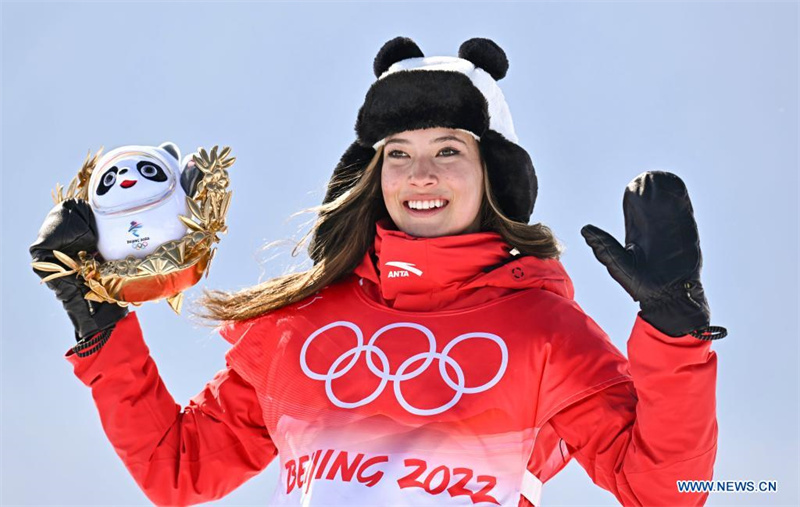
[(423, 173)]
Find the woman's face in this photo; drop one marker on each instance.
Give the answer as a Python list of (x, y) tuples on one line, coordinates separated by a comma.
[(432, 182)]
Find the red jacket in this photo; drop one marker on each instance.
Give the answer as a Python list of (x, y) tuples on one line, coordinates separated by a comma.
[(443, 371)]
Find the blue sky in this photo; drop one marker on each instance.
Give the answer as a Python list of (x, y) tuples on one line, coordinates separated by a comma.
[(599, 92)]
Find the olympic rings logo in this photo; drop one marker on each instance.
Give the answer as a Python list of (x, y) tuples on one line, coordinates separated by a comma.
[(385, 375), (139, 246)]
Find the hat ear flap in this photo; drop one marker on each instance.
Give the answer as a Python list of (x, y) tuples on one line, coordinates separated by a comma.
[(348, 170), (511, 175), (487, 55), (346, 174), (395, 50)]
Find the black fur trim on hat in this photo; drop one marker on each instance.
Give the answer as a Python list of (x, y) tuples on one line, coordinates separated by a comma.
[(419, 99), (395, 50), (511, 175), (487, 55)]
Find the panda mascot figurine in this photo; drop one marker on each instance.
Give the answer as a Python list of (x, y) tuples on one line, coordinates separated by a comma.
[(137, 194)]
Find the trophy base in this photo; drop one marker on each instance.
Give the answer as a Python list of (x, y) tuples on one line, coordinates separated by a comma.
[(140, 289)]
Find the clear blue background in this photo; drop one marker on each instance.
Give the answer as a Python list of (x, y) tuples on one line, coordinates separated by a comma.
[(599, 92)]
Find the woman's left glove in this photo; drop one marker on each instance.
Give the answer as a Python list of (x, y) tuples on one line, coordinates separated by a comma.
[(660, 263)]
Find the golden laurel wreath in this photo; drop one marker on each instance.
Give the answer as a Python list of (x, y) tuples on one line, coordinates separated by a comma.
[(175, 265)]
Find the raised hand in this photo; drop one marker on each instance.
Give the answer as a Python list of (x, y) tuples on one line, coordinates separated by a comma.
[(70, 228), (659, 266)]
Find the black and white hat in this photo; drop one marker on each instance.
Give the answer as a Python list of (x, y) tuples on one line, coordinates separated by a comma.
[(417, 92)]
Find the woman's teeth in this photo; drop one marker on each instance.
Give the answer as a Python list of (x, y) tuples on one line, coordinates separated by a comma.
[(436, 203)]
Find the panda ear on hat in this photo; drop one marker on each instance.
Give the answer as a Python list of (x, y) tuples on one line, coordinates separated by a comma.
[(395, 50), (485, 54)]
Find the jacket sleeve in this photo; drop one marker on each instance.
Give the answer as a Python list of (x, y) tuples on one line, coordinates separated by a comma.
[(177, 457), (638, 439)]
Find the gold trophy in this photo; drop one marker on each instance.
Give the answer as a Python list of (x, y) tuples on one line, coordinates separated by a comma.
[(155, 241)]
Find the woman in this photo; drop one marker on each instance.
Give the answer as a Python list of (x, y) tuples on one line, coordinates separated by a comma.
[(433, 355)]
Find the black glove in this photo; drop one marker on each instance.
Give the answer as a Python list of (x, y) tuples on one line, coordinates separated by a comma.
[(70, 227), (660, 263)]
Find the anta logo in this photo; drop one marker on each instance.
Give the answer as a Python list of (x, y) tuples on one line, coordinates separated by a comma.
[(403, 272)]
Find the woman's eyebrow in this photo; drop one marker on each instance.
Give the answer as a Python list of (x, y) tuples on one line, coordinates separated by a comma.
[(398, 140), (448, 138)]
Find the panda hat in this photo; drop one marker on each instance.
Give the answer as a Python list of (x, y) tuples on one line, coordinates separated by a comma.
[(417, 92)]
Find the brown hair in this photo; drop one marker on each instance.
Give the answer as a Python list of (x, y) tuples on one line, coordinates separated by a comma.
[(349, 226)]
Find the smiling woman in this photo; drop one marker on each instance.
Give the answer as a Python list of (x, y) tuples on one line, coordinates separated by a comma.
[(427, 276), (432, 182), (426, 183)]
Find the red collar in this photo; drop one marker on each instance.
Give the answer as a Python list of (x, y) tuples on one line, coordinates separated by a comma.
[(450, 272)]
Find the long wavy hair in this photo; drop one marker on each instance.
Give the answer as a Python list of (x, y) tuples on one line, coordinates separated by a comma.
[(349, 226)]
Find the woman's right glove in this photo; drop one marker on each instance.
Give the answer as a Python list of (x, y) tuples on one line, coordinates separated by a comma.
[(70, 227)]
